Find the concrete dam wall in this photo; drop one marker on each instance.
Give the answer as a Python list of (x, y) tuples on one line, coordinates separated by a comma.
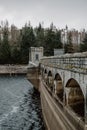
[(56, 116)]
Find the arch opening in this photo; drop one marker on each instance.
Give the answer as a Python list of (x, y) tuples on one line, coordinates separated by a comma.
[(45, 71), (44, 74), (49, 73), (42, 71), (74, 97), (58, 86), (50, 80)]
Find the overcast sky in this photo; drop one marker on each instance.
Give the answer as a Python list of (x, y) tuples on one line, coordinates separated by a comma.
[(60, 12)]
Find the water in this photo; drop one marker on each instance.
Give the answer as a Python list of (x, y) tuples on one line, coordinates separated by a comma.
[(19, 105)]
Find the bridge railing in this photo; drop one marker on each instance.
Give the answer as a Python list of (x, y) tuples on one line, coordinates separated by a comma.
[(73, 62)]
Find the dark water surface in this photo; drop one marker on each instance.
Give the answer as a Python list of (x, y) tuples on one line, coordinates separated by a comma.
[(19, 105)]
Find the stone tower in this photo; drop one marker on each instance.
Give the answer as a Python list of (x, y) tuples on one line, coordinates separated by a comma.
[(35, 54)]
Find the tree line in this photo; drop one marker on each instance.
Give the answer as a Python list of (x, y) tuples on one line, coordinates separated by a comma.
[(15, 43)]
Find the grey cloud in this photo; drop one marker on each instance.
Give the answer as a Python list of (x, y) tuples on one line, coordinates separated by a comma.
[(61, 12)]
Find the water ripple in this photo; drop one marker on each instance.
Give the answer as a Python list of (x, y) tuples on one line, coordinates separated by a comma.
[(20, 107)]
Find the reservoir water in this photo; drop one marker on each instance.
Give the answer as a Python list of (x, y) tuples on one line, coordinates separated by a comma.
[(20, 107)]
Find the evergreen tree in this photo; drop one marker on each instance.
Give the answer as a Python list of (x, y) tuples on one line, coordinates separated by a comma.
[(15, 56), (69, 46), (27, 40), (39, 33), (83, 46), (5, 52), (52, 40)]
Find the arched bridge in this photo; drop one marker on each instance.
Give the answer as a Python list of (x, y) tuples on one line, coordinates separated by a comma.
[(65, 78)]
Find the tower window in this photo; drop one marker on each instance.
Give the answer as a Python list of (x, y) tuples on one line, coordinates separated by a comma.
[(37, 57)]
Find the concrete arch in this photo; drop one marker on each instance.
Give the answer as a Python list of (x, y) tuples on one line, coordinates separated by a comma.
[(58, 84), (45, 71), (57, 77), (80, 79), (74, 97), (49, 73), (72, 83), (42, 69), (60, 73), (50, 80)]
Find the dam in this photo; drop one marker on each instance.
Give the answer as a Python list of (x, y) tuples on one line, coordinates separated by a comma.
[(62, 83), (63, 89)]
